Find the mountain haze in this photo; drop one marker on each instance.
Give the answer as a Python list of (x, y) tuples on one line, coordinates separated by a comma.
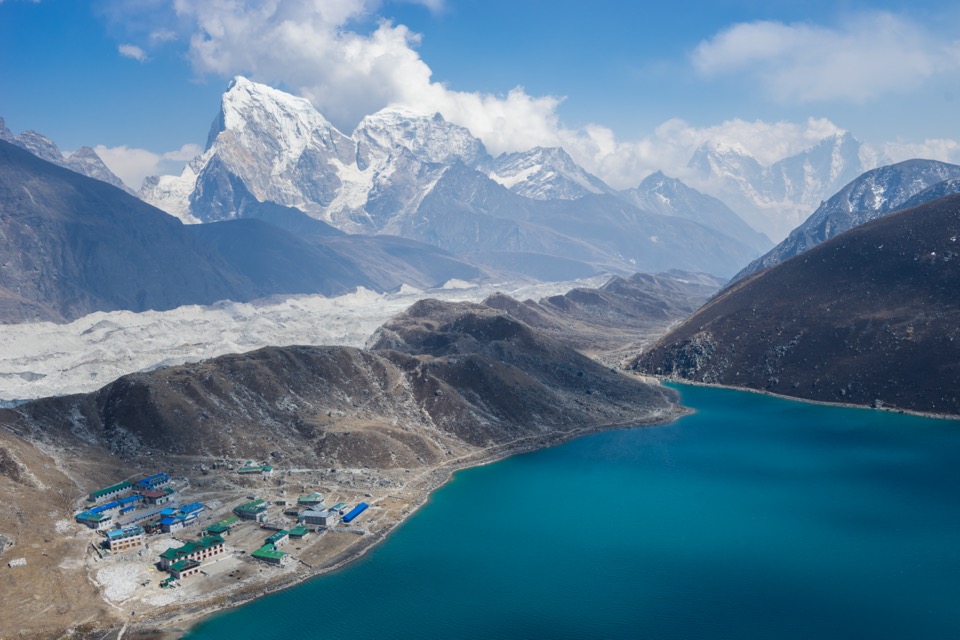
[(671, 197), (871, 195), (774, 199)]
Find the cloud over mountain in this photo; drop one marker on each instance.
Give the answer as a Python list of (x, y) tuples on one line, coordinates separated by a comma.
[(349, 64), (865, 56), (309, 46)]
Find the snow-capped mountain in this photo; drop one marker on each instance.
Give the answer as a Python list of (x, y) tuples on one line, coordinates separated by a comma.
[(872, 195), (282, 150), (84, 160), (775, 198), (671, 197), (421, 177), (430, 139), (545, 173)]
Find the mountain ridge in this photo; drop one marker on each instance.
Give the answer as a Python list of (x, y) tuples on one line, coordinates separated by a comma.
[(873, 194), (868, 317), (396, 174), (72, 245), (84, 160)]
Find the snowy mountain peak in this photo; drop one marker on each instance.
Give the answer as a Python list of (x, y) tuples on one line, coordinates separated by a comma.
[(661, 194), (871, 195), (256, 110), (430, 138), (545, 173), (659, 181), (40, 146)]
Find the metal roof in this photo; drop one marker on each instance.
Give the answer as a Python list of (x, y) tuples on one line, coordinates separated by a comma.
[(256, 506), (268, 552), (183, 565), (129, 532), (190, 547), (279, 535), (113, 489)]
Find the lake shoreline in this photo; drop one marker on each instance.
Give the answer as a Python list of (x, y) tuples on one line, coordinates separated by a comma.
[(824, 403), (175, 625)]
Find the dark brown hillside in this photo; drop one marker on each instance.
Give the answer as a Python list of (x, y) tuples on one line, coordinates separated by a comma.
[(870, 316), (618, 318), (441, 379)]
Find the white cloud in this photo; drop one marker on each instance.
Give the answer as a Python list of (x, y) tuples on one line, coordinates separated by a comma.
[(162, 35), (132, 51), (307, 45), (132, 165), (942, 149), (864, 57), (625, 163), (313, 48)]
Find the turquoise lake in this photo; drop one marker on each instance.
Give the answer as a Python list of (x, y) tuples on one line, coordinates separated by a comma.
[(756, 517)]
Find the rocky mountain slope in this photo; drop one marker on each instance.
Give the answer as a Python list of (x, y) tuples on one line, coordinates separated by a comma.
[(71, 245), (422, 178), (84, 160), (619, 317), (868, 317), (439, 378), (873, 194), (670, 197), (545, 174)]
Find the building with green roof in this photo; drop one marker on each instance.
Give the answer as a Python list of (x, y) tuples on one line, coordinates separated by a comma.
[(310, 499), (222, 527), (279, 539), (255, 510), (110, 492), (298, 532), (200, 550), (96, 521), (264, 469), (184, 568), (270, 555)]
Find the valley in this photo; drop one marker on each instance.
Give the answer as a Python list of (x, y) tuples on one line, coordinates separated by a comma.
[(246, 363), (445, 386)]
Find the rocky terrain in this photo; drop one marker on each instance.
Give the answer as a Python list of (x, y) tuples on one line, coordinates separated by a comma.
[(869, 317), (441, 386), (618, 318)]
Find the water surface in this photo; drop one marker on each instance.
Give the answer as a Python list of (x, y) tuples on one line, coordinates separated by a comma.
[(756, 517)]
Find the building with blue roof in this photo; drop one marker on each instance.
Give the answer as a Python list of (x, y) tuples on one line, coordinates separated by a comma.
[(153, 482), (124, 539)]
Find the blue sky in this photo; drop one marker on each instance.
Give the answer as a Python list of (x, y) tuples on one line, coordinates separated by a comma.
[(627, 87)]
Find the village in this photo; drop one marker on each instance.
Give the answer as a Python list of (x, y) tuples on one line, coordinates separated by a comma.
[(154, 542)]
